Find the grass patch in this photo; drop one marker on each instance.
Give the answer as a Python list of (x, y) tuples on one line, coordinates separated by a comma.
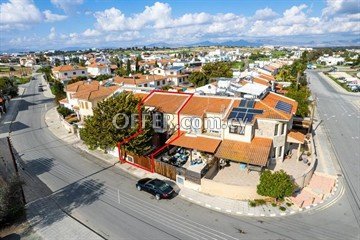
[(22, 80)]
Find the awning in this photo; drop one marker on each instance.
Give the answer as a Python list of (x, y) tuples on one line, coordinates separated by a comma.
[(295, 137), (255, 153), (203, 144)]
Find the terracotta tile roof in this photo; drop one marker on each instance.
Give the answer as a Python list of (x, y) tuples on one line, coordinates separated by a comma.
[(166, 102), (138, 79), (96, 94), (82, 85), (66, 68), (271, 99), (298, 136), (97, 65), (267, 77), (269, 113), (256, 152), (203, 144), (261, 81), (198, 105)]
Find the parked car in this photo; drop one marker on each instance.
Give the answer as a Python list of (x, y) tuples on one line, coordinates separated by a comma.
[(156, 187)]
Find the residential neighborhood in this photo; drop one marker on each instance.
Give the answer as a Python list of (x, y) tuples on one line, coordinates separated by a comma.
[(165, 124)]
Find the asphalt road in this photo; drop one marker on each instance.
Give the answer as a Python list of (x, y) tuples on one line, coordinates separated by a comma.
[(104, 198)]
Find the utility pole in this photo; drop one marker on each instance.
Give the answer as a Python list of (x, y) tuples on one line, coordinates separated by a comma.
[(16, 168)]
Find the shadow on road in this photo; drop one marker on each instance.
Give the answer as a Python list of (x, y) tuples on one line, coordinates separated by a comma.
[(47, 211)]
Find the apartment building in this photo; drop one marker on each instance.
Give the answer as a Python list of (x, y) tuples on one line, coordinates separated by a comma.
[(174, 74), (96, 69)]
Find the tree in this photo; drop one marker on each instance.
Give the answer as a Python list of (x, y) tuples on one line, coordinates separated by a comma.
[(277, 185), (77, 79), (301, 95), (58, 90), (100, 131), (198, 79), (57, 62), (128, 67), (11, 203), (103, 77), (217, 69), (8, 86), (137, 64), (64, 111)]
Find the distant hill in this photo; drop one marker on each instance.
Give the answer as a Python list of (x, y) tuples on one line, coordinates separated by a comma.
[(237, 43)]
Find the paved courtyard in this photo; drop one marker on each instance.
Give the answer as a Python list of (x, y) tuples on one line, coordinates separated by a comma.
[(234, 175)]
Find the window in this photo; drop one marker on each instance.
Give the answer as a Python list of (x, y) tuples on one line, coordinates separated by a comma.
[(283, 129), (172, 73), (280, 151), (86, 105), (158, 120), (157, 83), (145, 85), (237, 130), (163, 81), (65, 74), (273, 152), (83, 72), (74, 73), (276, 129), (159, 71)]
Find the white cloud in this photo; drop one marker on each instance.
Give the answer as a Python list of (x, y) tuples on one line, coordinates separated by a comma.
[(265, 13), (335, 7), (87, 13), (52, 17), (91, 33), (18, 14), (52, 34), (67, 5)]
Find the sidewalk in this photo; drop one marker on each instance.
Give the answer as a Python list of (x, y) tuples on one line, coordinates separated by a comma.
[(216, 203)]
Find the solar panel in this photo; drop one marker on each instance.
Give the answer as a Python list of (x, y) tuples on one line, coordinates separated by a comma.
[(250, 104), (232, 115), (256, 111), (240, 116), (248, 117), (283, 106), (242, 103)]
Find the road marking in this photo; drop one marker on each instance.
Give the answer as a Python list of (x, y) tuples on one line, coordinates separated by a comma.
[(190, 198), (119, 196), (208, 205), (262, 215), (272, 215), (250, 214), (282, 214), (229, 211), (7, 122), (239, 213), (217, 208)]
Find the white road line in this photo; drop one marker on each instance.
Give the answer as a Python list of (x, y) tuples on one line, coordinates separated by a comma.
[(272, 215), (239, 213), (250, 214), (217, 208), (208, 205), (229, 211)]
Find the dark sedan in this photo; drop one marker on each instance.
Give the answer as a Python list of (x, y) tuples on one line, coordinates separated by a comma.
[(156, 187)]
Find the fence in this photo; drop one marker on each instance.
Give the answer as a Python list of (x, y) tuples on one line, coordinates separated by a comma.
[(165, 169), (141, 161)]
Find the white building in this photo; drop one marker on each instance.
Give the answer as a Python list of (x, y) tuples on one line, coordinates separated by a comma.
[(96, 69)]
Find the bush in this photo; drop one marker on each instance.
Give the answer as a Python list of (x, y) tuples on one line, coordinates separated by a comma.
[(11, 203), (288, 204), (260, 202), (252, 203), (64, 111), (273, 204), (282, 208), (277, 185)]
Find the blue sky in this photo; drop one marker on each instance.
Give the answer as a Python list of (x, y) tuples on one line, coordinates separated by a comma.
[(56, 24)]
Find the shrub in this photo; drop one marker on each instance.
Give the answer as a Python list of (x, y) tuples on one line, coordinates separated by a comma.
[(260, 202), (282, 208), (288, 204), (11, 203), (273, 204), (277, 185), (64, 111), (252, 203)]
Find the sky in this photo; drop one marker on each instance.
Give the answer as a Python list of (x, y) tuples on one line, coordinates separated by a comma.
[(59, 24)]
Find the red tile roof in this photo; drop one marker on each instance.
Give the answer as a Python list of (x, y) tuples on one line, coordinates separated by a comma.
[(66, 68), (166, 102), (271, 99), (82, 85), (138, 79), (96, 94), (297, 136), (198, 105), (256, 152)]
